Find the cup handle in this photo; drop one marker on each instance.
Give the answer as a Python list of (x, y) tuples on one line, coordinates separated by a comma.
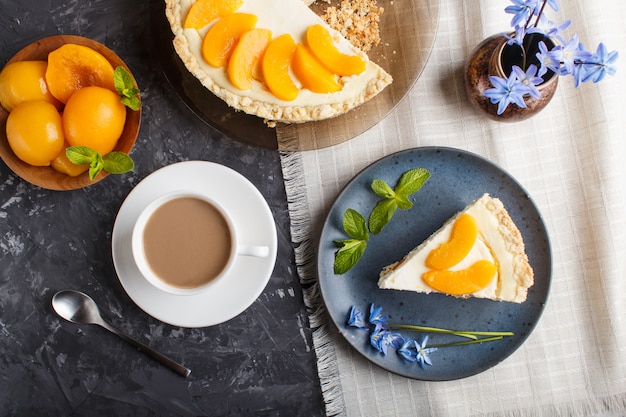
[(253, 250)]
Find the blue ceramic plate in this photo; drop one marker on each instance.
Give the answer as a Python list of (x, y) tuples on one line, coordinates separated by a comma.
[(457, 178)]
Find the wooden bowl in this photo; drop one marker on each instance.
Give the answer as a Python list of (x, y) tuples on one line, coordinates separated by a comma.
[(47, 177)]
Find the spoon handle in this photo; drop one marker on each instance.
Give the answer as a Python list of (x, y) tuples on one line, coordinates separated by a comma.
[(173, 365)]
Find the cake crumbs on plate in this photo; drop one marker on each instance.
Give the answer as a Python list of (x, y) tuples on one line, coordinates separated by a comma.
[(357, 21)]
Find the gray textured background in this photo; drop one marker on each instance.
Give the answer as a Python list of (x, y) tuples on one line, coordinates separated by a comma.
[(260, 363)]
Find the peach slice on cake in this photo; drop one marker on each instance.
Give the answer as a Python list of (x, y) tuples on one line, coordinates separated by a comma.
[(321, 43), (246, 57), (450, 253), (464, 281), (203, 12), (221, 39), (276, 63), (312, 74)]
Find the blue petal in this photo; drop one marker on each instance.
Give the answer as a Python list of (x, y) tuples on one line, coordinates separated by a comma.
[(375, 340), (502, 105), (554, 5), (376, 316), (407, 352), (423, 352), (494, 95), (520, 14), (519, 73), (387, 339), (498, 82), (356, 319), (596, 67)]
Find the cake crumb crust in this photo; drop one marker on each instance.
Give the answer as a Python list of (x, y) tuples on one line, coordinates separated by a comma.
[(522, 271)]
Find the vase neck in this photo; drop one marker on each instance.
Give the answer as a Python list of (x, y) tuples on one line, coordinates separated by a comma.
[(506, 56)]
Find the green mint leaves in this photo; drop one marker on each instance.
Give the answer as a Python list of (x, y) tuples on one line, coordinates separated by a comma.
[(113, 162), (354, 224), (125, 86), (351, 250), (409, 183)]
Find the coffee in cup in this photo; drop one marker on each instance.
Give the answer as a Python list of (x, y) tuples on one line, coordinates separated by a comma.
[(184, 241)]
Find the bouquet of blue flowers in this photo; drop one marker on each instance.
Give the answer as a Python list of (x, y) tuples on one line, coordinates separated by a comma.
[(538, 61)]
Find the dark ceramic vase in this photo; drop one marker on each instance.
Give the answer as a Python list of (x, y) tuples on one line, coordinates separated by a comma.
[(494, 57)]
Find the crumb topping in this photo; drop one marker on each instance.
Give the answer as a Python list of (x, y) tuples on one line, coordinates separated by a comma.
[(357, 21)]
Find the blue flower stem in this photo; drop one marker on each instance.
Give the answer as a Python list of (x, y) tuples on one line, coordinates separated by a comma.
[(468, 334), (426, 329), (543, 6), (530, 18), (503, 334), (468, 342), (524, 45)]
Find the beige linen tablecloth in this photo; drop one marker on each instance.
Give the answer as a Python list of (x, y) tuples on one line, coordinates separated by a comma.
[(571, 158)]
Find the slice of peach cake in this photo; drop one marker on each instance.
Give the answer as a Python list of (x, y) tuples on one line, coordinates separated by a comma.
[(478, 252)]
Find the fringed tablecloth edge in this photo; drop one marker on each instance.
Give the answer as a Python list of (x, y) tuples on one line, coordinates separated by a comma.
[(304, 249)]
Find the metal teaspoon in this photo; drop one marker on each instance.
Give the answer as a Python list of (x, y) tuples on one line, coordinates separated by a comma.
[(78, 307)]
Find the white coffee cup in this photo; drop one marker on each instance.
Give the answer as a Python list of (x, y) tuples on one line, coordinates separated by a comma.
[(184, 242)]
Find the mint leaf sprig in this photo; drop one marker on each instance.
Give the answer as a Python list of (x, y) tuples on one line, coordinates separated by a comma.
[(113, 162), (125, 86), (409, 183), (354, 224), (351, 250)]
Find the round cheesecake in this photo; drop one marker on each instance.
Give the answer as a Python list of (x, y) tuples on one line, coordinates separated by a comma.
[(291, 17)]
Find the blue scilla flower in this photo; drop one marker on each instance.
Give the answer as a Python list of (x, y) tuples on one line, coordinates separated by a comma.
[(382, 339), (522, 10), (562, 57), (407, 351), (529, 79), (569, 55), (376, 316), (516, 38), (549, 29), (547, 60), (423, 352), (597, 66), (357, 319), (506, 91)]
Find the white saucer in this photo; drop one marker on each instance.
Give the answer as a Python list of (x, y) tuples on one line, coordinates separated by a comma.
[(247, 278)]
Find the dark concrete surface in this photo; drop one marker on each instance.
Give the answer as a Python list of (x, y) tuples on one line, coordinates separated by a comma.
[(261, 363)]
